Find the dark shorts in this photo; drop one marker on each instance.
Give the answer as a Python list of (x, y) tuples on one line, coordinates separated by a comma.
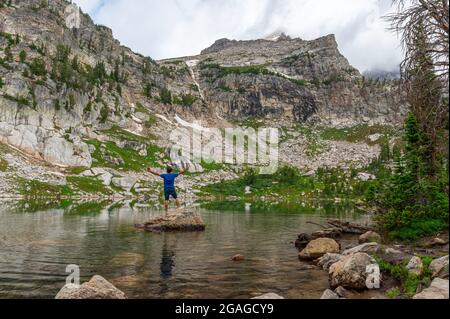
[(170, 192)]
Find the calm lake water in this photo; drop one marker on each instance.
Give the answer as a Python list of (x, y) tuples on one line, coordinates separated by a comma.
[(36, 245)]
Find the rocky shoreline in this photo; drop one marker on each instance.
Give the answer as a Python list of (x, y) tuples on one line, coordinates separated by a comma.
[(356, 263), (361, 270)]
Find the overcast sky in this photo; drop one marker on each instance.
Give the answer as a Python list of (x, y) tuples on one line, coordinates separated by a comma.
[(174, 28)]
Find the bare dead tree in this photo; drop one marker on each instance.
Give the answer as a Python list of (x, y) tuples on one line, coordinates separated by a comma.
[(424, 29), (434, 15)]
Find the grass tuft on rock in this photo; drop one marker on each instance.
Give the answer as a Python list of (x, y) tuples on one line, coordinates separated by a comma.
[(90, 185)]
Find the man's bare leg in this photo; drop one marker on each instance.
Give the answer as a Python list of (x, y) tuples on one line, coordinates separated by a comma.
[(166, 205), (178, 203)]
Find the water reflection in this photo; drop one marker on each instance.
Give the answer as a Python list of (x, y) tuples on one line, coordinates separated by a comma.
[(167, 259), (38, 241)]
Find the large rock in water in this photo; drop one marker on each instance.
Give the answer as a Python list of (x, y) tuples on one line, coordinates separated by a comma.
[(319, 247), (97, 288), (184, 220), (351, 271)]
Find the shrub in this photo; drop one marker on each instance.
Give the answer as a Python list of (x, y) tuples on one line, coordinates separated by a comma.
[(104, 113), (148, 90), (166, 96), (188, 99), (37, 67), (412, 203), (22, 56)]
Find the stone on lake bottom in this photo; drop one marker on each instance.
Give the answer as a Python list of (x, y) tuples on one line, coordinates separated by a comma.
[(237, 258)]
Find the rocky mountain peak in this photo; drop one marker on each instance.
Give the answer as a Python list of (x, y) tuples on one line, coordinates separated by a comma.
[(278, 36), (62, 88)]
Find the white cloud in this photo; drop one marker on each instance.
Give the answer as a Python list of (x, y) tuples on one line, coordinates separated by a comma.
[(171, 28)]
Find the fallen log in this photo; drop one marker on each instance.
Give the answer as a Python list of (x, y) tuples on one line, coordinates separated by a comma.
[(316, 224), (349, 228)]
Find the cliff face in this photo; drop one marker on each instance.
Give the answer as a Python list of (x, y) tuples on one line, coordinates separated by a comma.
[(292, 80), (61, 86)]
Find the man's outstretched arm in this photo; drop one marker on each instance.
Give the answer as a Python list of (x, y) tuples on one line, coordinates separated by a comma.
[(184, 169), (150, 170)]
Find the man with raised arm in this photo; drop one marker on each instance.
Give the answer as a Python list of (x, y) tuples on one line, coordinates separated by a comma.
[(169, 184)]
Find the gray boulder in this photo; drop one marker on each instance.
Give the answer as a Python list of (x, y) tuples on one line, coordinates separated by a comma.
[(126, 183), (58, 150), (351, 271), (394, 256), (437, 290), (97, 288), (103, 175), (327, 260), (368, 248), (319, 247), (369, 237), (415, 266), (182, 220), (439, 267), (342, 292), (329, 294)]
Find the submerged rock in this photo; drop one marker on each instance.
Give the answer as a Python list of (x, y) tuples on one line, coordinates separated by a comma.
[(97, 288), (319, 247), (237, 258), (128, 259), (176, 221)]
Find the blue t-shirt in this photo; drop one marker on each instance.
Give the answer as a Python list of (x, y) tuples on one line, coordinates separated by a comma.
[(169, 181)]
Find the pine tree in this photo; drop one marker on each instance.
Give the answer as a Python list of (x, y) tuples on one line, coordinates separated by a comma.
[(424, 94)]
